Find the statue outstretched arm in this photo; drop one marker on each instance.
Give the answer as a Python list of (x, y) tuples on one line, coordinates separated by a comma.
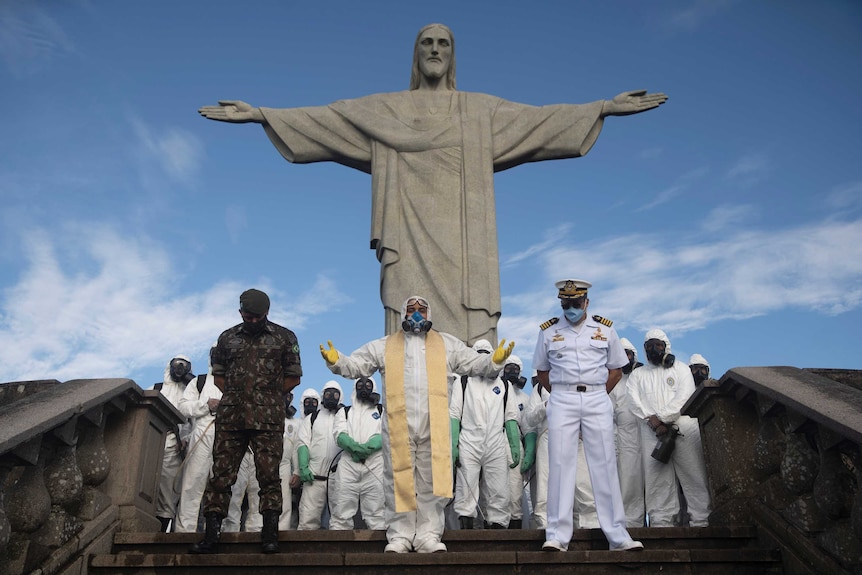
[(234, 111), (633, 102)]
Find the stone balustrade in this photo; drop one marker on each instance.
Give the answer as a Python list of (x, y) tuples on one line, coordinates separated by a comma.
[(782, 448), (78, 461)]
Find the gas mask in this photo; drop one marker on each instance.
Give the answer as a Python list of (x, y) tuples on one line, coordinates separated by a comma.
[(416, 323), (365, 391), (627, 368), (331, 398), (512, 374), (289, 410), (655, 352), (700, 373), (309, 405), (181, 371)]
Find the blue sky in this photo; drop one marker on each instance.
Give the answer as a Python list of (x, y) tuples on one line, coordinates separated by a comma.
[(731, 217)]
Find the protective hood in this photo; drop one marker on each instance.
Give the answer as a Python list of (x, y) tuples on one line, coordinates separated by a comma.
[(697, 359), (484, 345), (354, 400), (305, 394), (629, 346), (411, 298), (660, 335), (167, 376), (516, 360)]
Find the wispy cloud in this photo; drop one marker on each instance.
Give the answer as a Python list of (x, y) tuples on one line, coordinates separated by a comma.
[(30, 39), (644, 280), (177, 152), (682, 183), (728, 216), (696, 13), (551, 237), (846, 198), (94, 301), (749, 169)]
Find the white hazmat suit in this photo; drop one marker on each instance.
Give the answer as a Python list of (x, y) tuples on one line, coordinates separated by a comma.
[(662, 391)]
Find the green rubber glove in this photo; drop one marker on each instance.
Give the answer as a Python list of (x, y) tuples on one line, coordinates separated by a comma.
[(529, 452), (347, 443), (305, 474), (513, 434), (456, 435), (374, 443)]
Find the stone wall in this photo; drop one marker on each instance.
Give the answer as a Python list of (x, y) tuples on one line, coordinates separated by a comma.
[(782, 448), (78, 460)]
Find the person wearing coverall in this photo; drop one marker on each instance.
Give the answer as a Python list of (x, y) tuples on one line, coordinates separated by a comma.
[(416, 425)]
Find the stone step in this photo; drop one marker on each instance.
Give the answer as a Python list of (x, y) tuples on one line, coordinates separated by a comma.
[(709, 551), (366, 541), (665, 561)]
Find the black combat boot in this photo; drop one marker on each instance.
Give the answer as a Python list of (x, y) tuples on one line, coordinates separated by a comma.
[(514, 524), (269, 532), (466, 522), (213, 530), (166, 523)]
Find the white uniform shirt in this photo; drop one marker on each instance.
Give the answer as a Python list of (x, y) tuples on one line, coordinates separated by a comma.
[(659, 391), (578, 354)]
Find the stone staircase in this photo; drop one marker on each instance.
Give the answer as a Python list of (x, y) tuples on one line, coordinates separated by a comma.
[(671, 551)]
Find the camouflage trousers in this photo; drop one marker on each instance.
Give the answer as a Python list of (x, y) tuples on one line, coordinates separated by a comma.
[(228, 451)]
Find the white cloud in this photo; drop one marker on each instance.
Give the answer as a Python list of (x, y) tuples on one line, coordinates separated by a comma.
[(749, 169), (92, 301), (177, 152), (30, 39), (728, 216), (847, 198), (683, 182), (643, 280)]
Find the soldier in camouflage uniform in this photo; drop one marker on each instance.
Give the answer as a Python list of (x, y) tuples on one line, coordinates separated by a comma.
[(254, 364)]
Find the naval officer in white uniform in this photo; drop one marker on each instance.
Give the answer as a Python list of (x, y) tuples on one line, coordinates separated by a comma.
[(579, 360)]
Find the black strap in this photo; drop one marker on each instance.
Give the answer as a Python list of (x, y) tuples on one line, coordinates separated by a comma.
[(202, 379)]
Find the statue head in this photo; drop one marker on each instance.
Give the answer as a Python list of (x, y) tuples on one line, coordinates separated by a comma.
[(416, 73)]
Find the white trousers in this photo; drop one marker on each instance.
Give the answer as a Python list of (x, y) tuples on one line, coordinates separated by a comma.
[(197, 470), (687, 466), (246, 483), (492, 463), (169, 495), (585, 515), (415, 528), (360, 489), (540, 483), (589, 414), (284, 471), (516, 487), (630, 466)]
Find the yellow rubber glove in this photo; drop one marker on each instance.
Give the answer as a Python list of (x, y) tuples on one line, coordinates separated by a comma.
[(330, 355), (502, 352)]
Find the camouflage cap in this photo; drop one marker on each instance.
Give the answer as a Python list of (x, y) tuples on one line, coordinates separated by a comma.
[(254, 301)]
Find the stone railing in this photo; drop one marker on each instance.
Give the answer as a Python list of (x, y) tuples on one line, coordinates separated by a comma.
[(782, 448), (78, 461)]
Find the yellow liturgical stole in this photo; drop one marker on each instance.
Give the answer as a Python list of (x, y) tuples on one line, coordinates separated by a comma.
[(438, 410)]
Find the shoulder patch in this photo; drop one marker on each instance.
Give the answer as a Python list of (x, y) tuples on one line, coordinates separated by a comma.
[(602, 320), (549, 323)]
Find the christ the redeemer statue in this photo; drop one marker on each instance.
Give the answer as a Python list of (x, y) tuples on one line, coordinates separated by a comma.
[(432, 152)]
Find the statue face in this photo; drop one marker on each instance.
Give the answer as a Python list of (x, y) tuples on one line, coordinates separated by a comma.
[(435, 53)]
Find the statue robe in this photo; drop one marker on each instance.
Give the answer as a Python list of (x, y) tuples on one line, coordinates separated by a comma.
[(433, 218)]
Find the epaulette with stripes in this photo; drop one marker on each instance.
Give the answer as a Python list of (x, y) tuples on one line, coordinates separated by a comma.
[(603, 321), (549, 323)]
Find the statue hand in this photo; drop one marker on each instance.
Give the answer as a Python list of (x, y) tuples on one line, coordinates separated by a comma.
[(234, 111), (633, 102)]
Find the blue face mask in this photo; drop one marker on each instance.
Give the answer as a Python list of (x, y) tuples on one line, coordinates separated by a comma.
[(574, 314), (415, 323)]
